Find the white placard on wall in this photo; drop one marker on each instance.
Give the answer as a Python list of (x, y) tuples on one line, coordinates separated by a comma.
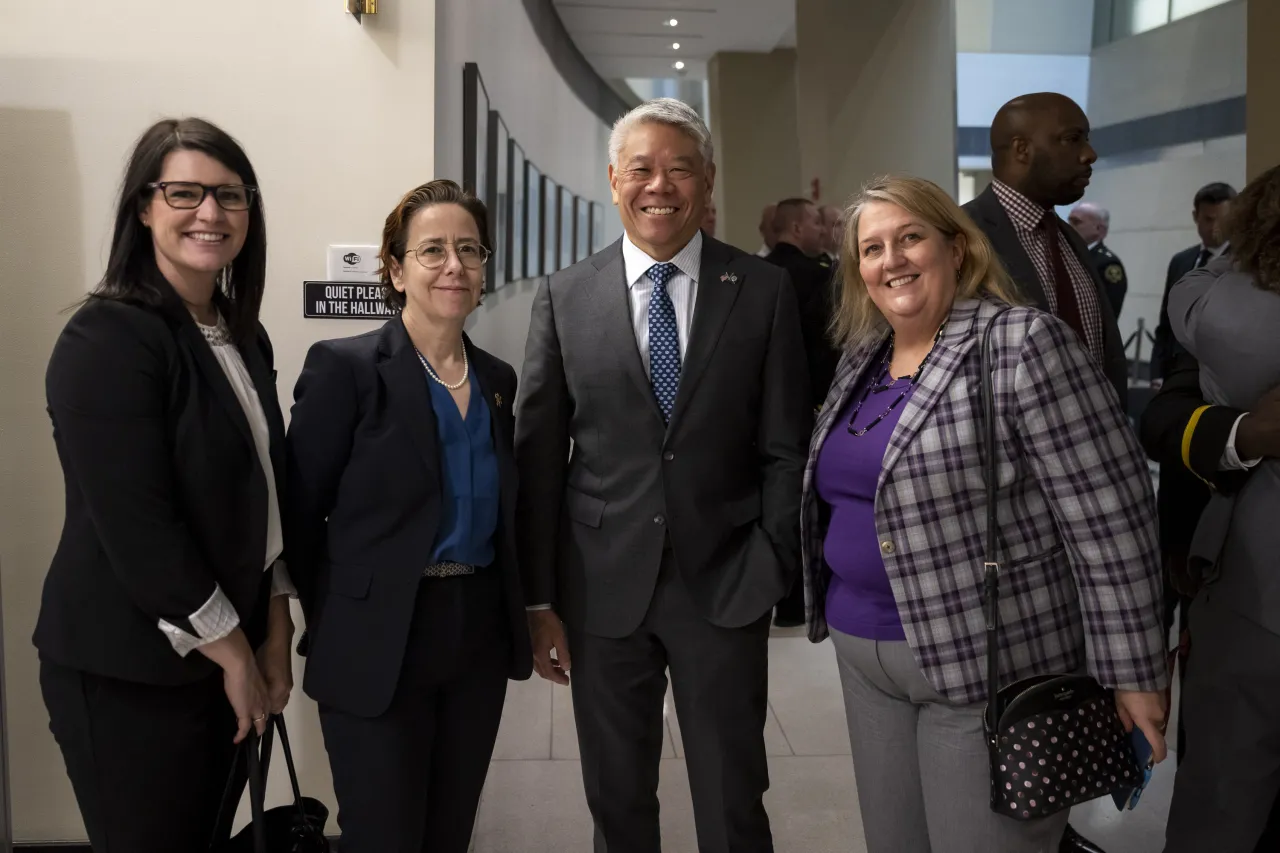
[(352, 263)]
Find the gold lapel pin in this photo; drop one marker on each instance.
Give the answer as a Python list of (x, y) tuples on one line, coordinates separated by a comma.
[(497, 399)]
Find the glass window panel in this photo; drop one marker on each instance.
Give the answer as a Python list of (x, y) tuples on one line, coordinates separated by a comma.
[(533, 249), (550, 206), (516, 241), (597, 227), (566, 227), (482, 146), (498, 216), (1138, 16), (1182, 8), (582, 240)]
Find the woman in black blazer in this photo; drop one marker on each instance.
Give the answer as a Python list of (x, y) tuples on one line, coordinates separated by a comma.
[(162, 396), (400, 521)]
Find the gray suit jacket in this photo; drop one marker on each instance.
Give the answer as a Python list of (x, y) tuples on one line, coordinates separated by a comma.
[(1229, 324), (989, 214), (720, 483)]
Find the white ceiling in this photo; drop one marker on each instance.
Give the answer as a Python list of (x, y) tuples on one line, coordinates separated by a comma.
[(629, 39)]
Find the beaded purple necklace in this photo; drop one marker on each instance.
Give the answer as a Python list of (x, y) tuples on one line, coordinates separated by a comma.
[(878, 385)]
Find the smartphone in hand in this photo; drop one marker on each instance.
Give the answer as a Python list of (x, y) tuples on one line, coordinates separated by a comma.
[(1142, 754)]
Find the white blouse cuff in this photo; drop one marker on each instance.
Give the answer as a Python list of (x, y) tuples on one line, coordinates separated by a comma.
[(281, 583), (215, 619)]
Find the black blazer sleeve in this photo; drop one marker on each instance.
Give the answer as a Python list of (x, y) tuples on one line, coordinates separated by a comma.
[(107, 384), (323, 421), (1165, 350), (1164, 425), (542, 451), (786, 423)]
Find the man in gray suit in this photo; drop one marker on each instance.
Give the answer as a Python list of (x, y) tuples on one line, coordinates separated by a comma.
[(661, 439), (1041, 158)]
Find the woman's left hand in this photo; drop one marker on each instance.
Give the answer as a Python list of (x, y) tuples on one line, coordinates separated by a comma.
[(275, 657), (1146, 710)]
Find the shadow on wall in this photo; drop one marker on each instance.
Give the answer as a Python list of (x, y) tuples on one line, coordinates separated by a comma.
[(384, 30), (42, 266)]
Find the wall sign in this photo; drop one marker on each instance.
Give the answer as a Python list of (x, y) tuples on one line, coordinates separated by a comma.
[(344, 300)]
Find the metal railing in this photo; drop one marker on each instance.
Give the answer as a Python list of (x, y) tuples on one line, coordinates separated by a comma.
[(1139, 370)]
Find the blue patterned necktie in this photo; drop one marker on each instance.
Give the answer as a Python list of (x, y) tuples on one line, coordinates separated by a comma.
[(664, 340)]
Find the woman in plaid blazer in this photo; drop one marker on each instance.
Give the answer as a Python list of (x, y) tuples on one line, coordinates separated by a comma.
[(894, 513)]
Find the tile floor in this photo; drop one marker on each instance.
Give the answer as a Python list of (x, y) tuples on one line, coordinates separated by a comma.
[(533, 801)]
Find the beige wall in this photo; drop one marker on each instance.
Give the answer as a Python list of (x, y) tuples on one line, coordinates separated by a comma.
[(1263, 95), (1195, 60), (339, 121), (877, 83), (753, 99)]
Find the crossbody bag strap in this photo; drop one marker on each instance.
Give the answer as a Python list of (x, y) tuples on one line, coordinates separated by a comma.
[(991, 559)]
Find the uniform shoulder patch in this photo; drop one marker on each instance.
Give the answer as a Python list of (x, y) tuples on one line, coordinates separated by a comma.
[(1114, 273)]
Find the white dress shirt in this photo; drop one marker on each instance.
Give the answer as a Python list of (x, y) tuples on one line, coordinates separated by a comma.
[(217, 617), (682, 287)]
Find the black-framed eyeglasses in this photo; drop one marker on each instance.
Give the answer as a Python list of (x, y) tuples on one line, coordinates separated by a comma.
[(435, 255), (186, 195)]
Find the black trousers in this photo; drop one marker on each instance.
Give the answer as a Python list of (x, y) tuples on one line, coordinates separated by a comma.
[(720, 680), (409, 781), (149, 764), (1228, 783)]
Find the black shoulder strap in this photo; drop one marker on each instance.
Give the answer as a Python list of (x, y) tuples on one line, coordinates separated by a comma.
[(991, 558)]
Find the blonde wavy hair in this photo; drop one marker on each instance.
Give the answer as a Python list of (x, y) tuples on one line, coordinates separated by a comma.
[(856, 317)]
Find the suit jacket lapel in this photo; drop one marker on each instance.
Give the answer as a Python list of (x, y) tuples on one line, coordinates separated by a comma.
[(408, 396), (611, 309), (945, 360), (718, 285), (999, 228), (264, 382)]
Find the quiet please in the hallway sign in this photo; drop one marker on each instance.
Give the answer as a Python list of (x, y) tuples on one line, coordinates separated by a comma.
[(343, 300)]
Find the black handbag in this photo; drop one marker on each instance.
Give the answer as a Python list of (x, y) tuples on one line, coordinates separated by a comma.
[(296, 828), (1055, 741)]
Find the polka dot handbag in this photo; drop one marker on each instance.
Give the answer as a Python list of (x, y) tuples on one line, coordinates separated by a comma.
[(1055, 740)]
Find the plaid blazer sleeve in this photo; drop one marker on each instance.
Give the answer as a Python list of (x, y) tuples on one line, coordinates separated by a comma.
[(1083, 453)]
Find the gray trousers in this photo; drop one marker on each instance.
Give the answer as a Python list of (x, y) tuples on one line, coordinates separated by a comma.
[(921, 761)]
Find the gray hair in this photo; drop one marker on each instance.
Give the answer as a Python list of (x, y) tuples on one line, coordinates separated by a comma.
[(668, 111), (1097, 210)]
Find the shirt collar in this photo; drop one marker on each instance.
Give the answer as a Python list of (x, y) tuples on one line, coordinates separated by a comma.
[(1024, 212), (636, 263), (1215, 253)]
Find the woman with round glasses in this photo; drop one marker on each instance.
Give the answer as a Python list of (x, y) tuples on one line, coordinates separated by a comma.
[(164, 632), (401, 516)]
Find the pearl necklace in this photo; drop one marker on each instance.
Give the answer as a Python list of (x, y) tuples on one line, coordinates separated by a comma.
[(466, 369)]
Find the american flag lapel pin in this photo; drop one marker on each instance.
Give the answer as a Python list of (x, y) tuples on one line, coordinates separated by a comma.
[(729, 277)]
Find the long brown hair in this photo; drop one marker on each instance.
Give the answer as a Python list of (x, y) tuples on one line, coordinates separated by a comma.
[(1253, 227)]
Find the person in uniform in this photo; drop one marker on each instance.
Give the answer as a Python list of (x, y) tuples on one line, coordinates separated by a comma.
[(1092, 223)]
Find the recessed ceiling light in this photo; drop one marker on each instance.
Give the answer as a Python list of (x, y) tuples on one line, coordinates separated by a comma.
[(679, 66), (673, 23), (675, 45)]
